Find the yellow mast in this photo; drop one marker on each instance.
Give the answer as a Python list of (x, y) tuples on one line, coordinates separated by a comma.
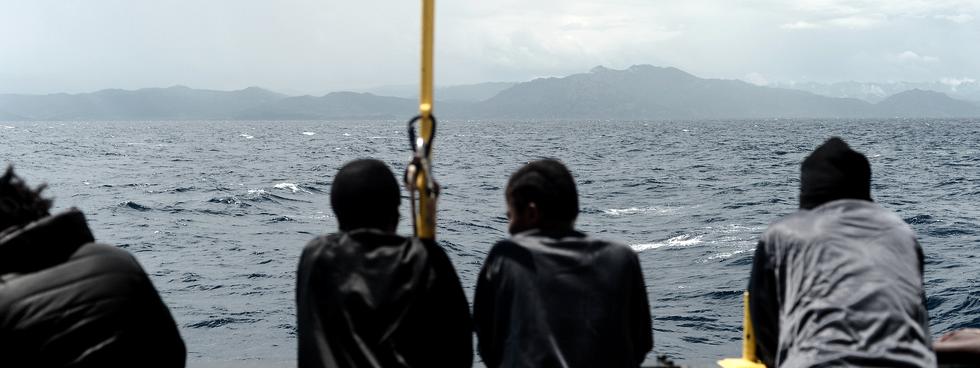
[(748, 359), (419, 172)]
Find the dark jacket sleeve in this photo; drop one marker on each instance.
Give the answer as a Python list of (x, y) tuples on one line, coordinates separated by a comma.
[(764, 306), (484, 314), (313, 348), (454, 331), (642, 327)]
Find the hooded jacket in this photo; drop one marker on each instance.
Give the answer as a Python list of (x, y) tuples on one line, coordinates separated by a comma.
[(366, 298), (561, 300), (68, 302), (839, 283)]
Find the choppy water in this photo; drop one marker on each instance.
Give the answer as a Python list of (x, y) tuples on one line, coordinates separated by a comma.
[(217, 212)]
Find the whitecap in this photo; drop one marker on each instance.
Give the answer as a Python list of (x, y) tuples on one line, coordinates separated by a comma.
[(309, 133), (636, 210), (7, 126), (289, 186), (725, 255), (256, 191), (684, 240), (246, 136), (347, 134)]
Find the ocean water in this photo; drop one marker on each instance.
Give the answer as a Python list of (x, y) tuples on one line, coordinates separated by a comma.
[(217, 212)]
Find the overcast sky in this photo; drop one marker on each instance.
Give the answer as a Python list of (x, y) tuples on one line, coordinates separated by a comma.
[(305, 46)]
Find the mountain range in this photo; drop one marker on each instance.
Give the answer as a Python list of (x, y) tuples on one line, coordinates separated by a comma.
[(964, 89), (640, 92)]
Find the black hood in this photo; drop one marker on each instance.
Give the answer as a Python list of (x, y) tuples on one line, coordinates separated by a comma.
[(44, 243), (834, 171)]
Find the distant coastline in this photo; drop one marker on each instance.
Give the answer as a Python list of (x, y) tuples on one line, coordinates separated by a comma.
[(641, 92)]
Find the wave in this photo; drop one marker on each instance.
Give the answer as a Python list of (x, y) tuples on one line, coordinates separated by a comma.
[(684, 240), (289, 186), (135, 206), (218, 322), (637, 210)]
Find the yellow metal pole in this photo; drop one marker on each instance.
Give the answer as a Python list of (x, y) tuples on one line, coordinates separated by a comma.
[(748, 359), (425, 227)]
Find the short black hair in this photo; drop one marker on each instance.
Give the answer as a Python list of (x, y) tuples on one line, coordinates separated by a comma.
[(365, 194), (549, 185), (19, 204)]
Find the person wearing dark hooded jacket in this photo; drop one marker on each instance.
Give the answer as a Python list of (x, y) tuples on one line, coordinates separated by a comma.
[(550, 296), (839, 283), (367, 297), (66, 301)]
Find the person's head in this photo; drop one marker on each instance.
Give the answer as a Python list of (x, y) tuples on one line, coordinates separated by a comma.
[(365, 194), (541, 195), (19, 204), (834, 171)]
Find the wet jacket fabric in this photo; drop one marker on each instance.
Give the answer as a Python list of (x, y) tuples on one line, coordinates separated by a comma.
[(561, 300), (68, 302), (366, 298), (840, 285)]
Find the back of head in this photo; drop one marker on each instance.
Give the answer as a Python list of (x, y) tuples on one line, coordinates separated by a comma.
[(365, 194), (834, 171), (19, 204), (549, 185)]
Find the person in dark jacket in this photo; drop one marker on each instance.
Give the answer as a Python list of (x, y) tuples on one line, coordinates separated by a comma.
[(66, 301), (839, 282), (551, 296), (367, 297), (959, 347)]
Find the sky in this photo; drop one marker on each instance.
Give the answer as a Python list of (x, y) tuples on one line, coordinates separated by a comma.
[(313, 47)]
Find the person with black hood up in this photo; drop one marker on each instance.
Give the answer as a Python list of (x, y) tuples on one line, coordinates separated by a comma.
[(551, 296), (367, 297), (67, 301), (839, 283)]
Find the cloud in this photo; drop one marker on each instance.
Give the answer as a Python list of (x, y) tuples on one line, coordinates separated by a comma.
[(911, 56), (954, 83), (756, 79), (858, 22), (800, 25), (313, 46), (956, 18)]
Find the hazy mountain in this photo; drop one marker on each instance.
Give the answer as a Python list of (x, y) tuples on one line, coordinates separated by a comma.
[(465, 92), (649, 92), (640, 92), (176, 102), (336, 105), (919, 103), (6, 116), (963, 89)]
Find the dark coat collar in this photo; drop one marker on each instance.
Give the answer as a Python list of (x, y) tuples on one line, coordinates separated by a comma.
[(44, 243)]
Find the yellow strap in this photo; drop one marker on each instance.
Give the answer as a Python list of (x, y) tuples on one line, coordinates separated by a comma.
[(425, 227)]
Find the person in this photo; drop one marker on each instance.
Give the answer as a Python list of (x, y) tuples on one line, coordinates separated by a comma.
[(367, 297), (66, 300), (550, 296), (959, 347), (839, 282)]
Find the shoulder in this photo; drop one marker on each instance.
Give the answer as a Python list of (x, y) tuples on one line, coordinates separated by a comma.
[(105, 258), (94, 272), (509, 249)]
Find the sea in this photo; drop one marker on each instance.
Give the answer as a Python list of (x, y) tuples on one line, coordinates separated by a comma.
[(217, 212)]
